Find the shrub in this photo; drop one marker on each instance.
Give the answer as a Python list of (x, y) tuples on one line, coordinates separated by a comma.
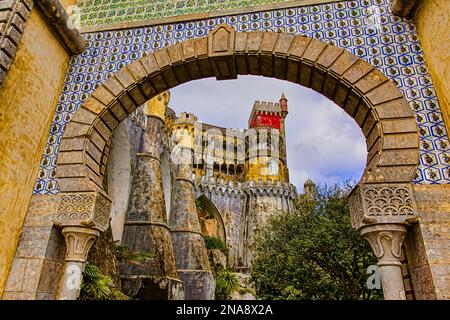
[(98, 286), (226, 283), (124, 254), (215, 243)]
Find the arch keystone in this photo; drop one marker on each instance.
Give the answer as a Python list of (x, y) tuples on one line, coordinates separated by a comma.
[(221, 52)]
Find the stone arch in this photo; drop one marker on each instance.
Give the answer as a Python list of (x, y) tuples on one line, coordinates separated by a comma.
[(210, 208), (366, 94), (384, 193)]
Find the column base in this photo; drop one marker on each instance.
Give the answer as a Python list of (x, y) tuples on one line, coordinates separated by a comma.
[(198, 284), (152, 288)]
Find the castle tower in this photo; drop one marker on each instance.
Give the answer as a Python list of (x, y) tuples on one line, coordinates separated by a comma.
[(146, 229), (265, 154), (189, 247), (267, 186)]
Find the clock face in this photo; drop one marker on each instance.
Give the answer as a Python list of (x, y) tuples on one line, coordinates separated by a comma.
[(272, 167)]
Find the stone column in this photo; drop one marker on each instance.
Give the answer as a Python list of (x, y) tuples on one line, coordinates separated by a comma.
[(386, 242), (382, 212), (81, 216), (190, 250), (78, 242), (146, 228)]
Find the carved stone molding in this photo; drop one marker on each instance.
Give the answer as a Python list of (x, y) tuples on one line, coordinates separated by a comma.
[(13, 16), (90, 210), (382, 203), (78, 242), (56, 16), (404, 8)]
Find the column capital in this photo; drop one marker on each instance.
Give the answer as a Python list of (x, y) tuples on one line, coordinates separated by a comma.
[(78, 242), (83, 209), (386, 242), (382, 203)]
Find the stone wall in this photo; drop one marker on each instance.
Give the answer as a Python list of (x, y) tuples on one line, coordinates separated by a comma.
[(230, 203), (28, 99), (261, 204), (103, 255), (431, 20), (39, 258), (244, 209), (429, 256)]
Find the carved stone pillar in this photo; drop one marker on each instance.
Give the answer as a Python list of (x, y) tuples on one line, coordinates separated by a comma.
[(382, 212), (146, 229), (81, 216), (386, 242), (190, 250)]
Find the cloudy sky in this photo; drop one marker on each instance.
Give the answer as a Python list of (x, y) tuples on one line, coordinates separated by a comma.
[(323, 142)]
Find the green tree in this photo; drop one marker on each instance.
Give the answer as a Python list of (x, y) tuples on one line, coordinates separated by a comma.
[(314, 253)]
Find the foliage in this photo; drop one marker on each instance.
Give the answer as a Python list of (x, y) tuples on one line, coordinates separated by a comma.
[(98, 286), (124, 254), (314, 253), (246, 291), (215, 243), (226, 283), (291, 293)]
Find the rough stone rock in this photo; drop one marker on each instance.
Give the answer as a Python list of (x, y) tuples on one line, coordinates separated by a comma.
[(218, 260), (103, 255), (246, 290)]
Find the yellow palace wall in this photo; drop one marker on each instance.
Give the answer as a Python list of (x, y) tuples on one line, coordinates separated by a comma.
[(28, 100), (432, 20)]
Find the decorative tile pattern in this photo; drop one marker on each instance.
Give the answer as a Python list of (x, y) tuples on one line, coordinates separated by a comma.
[(364, 27), (103, 12)]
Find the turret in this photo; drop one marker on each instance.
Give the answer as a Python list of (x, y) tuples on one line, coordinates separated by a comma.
[(310, 188), (284, 113), (265, 154), (284, 105), (265, 115), (156, 107), (186, 118)]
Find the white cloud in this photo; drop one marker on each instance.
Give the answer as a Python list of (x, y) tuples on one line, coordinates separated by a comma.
[(324, 143)]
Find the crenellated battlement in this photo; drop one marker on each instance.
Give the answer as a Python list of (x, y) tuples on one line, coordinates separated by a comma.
[(186, 118), (221, 186), (268, 188), (267, 106)]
